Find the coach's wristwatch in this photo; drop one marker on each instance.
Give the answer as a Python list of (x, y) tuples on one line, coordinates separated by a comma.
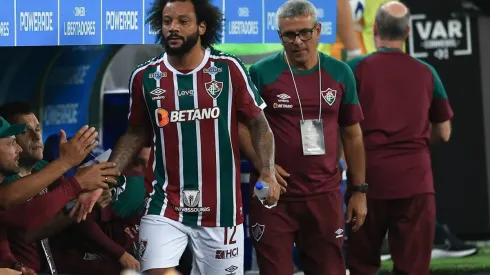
[(362, 188)]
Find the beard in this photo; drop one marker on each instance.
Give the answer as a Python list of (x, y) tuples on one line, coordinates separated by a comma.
[(187, 44), (9, 170)]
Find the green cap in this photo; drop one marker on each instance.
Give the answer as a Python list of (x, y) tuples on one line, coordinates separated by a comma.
[(7, 130)]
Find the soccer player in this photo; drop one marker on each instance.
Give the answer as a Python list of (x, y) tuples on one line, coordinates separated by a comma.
[(186, 102), (406, 108), (309, 95)]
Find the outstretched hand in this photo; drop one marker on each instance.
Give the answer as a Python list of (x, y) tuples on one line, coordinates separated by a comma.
[(84, 205)]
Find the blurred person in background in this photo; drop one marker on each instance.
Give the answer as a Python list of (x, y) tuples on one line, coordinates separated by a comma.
[(355, 29), (348, 43), (446, 244), (16, 251), (302, 86), (406, 108)]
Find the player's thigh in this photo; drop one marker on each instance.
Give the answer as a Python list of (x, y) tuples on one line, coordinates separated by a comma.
[(272, 232), (321, 235), (161, 242), (411, 236), (217, 250)]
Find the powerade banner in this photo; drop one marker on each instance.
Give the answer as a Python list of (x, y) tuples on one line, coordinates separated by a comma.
[(67, 89), (96, 22)]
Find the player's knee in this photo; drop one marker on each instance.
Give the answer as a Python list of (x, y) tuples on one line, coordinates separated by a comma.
[(163, 271)]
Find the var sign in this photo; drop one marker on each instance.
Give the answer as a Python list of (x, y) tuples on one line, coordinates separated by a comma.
[(442, 38)]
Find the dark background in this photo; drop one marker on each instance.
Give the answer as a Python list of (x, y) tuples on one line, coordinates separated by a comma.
[(461, 167)]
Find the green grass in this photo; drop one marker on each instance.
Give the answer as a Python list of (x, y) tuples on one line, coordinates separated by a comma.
[(249, 49), (458, 266)]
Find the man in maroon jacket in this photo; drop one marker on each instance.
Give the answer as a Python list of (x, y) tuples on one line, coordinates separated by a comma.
[(406, 108), (22, 189), (73, 152), (54, 198)]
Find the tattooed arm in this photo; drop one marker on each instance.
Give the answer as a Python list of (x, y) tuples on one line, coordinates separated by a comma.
[(263, 144), (130, 144)]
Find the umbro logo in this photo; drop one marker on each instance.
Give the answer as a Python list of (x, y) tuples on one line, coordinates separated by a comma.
[(158, 94), (339, 233), (284, 96), (231, 270)]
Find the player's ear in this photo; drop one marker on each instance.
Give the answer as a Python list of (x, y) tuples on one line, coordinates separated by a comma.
[(202, 28), (375, 29)]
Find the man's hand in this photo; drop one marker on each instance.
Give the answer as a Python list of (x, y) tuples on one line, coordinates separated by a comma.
[(28, 271), (97, 176), (129, 262), (105, 199), (275, 189), (74, 151), (84, 205), (357, 210), (8, 271), (281, 175)]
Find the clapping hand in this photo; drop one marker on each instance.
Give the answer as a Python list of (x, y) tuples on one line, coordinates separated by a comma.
[(74, 151)]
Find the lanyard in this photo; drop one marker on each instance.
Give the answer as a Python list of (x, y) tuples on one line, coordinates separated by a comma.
[(296, 87)]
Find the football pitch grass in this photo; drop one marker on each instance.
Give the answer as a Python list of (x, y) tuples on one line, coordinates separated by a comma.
[(478, 264)]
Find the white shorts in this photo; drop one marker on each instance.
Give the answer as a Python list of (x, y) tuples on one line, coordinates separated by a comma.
[(216, 250)]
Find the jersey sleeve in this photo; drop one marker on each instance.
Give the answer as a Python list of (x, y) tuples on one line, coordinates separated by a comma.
[(248, 101), (138, 113), (350, 111), (254, 76), (440, 110), (131, 200)]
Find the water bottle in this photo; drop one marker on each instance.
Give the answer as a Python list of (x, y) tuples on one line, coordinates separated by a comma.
[(261, 190)]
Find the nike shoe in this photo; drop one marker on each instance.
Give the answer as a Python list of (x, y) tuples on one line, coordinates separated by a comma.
[(447, 245)]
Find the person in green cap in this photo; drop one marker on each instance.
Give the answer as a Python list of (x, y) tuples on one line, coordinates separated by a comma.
[(23, 189), (73, 152)]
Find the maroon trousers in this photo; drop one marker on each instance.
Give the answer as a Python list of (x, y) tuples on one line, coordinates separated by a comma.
[(78, 262), (315, 226), (410, 226)]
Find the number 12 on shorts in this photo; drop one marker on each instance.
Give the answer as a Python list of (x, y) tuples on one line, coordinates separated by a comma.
[(231, 239)]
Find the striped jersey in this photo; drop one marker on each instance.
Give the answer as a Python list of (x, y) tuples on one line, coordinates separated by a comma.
[(195, 173)]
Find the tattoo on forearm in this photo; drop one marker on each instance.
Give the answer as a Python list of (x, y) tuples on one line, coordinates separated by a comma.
[(263, 141), (128, 146)]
